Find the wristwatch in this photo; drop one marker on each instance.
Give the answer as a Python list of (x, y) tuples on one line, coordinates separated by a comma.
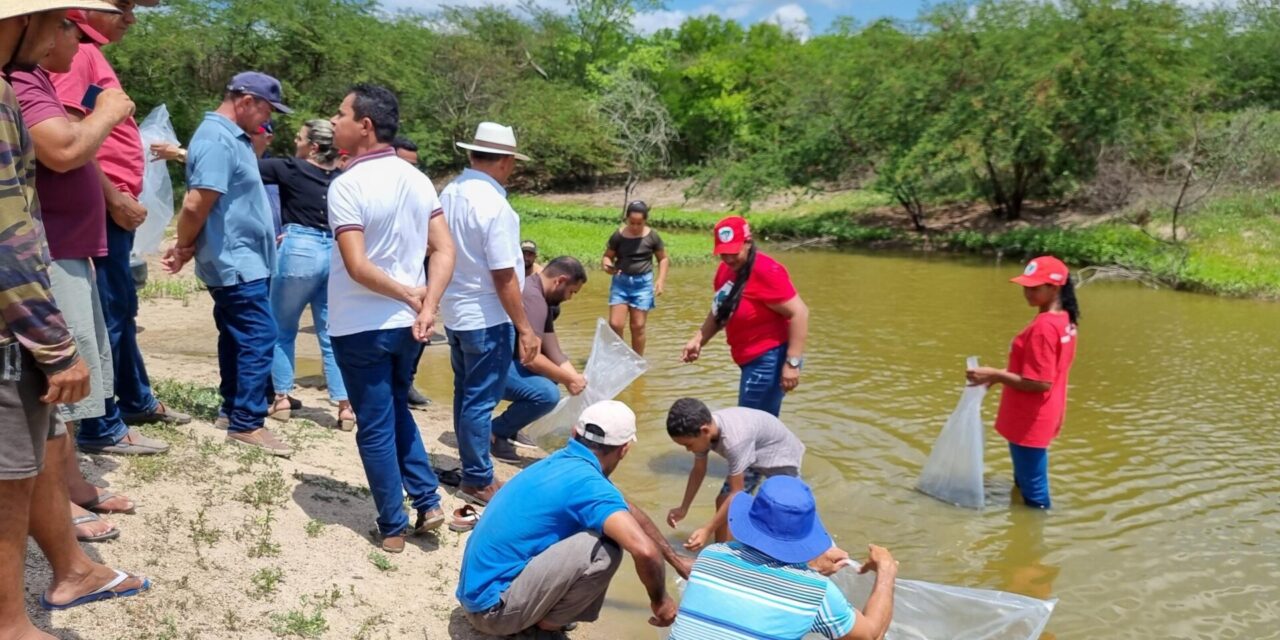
[(796, 363)]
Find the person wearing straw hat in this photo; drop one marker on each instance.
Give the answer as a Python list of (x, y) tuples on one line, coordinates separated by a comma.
[(39, 364), (543, 554), (483, 313), (74, 215), (131, 401), (763, 585), (225, 225)]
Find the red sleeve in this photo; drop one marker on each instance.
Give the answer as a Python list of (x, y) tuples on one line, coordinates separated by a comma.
[(37, 105), (1040, 353), (722, 276), (771, 284), (73, 84)]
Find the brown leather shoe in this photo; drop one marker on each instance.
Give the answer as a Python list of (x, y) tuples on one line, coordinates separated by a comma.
[(479, 496), (262, 439)]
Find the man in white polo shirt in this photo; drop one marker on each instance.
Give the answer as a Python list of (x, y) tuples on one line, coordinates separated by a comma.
[(482, 308), (386, 218)]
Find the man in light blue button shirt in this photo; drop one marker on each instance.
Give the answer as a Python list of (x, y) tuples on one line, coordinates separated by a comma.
[(226, 225)]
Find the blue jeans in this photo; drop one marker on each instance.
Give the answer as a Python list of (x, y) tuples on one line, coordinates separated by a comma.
[(480, 360), (246, 337), (302, 278), (119, 297), (761, 384), (531, 395), (379, 365), (1031, 474)]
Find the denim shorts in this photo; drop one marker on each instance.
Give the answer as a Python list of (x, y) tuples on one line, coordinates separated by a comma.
[(634, 291)]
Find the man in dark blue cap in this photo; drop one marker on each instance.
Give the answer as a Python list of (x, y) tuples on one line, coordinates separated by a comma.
[(226, 225), (763, 586)]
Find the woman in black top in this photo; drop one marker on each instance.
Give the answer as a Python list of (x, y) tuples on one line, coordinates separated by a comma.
[(629, 257), (301, 276)]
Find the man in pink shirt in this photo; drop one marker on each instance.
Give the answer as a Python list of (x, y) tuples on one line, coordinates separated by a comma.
[(120, 163)]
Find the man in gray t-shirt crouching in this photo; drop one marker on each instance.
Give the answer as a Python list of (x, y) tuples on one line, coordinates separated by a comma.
[(755, 443)]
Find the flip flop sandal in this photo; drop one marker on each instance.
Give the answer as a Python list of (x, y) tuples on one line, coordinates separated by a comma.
[(450, 477), (95, 505), (105, 593), (464, 519), (346, 424), (426, 524), (102, 537)]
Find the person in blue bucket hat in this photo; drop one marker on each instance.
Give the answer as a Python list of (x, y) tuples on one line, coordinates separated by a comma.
[(769, 582)]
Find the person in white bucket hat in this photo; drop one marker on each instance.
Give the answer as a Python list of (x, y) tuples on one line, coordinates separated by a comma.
[(482, 310), (40, 366)]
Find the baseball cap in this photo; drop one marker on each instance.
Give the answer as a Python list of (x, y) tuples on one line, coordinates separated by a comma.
[(731, 234), (529, 246), (260, 85), (81, 20), (782, 521), (609, 422), (1043, 270)]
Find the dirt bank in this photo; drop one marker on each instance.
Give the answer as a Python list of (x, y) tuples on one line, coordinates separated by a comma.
[(242, 546)]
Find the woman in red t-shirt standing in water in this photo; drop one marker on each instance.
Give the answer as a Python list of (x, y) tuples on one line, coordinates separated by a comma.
[(1034, 401), (764, 319)]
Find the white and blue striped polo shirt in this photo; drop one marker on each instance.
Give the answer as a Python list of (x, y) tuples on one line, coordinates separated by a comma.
[(735, 591)]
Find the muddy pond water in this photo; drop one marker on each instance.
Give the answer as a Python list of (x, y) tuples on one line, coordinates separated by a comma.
[(1166, 478)]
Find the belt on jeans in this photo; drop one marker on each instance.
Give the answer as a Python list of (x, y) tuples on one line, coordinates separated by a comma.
[(634, 275)]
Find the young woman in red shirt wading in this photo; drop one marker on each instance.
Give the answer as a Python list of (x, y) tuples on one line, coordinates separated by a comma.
[(1034, 401), (764, 319)]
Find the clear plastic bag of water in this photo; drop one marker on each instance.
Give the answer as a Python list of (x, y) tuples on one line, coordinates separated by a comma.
[(611, 367), (929, 611), (157, 186), (954, 470)]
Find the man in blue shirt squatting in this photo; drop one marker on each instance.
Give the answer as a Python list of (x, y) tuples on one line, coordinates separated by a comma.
[(226, 225), (542, 555), (764, 584)]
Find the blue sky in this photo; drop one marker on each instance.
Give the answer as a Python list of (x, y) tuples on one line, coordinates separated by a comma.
[(804, 17)]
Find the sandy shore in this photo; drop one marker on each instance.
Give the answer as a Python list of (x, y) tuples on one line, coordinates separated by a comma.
[(239, 545)]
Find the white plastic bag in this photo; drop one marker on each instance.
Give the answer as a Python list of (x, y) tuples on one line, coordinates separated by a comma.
[(928, 611), (954, 471), (157, 187), (611, 367)]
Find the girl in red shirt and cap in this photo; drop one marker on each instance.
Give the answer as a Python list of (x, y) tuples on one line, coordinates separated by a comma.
[(1034, 401), (764, 319)]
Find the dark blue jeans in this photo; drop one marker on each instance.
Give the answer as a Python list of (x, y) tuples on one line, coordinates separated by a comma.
[(761, 384), (246, 339), (119, 299), (480, 360), (531, 395), (1031, 474), (378, 367)]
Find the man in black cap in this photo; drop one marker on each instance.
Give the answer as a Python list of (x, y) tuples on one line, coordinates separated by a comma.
[(225, 224)]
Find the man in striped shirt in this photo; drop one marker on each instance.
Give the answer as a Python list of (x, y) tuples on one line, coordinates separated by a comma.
[(761, 585)]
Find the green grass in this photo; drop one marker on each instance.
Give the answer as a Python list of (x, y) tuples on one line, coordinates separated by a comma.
[(267, 581), (381, 562), (172, 288), (201, 402)]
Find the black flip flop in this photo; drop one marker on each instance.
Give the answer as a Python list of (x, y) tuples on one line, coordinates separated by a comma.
[(450, 477)]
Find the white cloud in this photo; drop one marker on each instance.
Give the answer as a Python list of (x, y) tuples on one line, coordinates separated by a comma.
[(793, 19)]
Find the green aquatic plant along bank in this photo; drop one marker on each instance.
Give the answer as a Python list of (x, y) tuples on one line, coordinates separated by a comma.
[(1231, 247)]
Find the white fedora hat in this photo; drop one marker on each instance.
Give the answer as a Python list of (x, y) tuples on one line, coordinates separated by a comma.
[(15, 8), (492, 137)]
